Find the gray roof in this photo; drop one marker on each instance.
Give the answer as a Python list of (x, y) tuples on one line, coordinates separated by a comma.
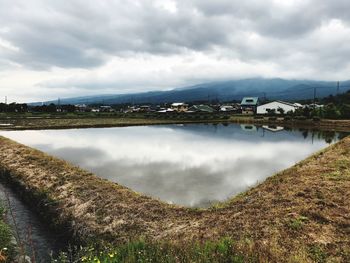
[(203, 108)]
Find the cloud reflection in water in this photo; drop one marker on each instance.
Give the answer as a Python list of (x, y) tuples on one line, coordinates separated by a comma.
[(191, 165)]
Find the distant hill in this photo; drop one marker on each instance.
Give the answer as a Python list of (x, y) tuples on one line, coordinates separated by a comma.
[(223, 91)]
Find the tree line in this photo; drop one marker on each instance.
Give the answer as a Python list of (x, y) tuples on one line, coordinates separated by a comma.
[(23, 107)]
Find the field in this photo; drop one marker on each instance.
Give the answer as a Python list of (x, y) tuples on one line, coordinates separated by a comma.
[(95, 120), (301, 214)]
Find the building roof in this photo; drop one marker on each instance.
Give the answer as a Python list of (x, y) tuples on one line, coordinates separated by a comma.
[(249, 101), (203, 108), (286, 103), (177, 104), (282, 102), (298, 105)]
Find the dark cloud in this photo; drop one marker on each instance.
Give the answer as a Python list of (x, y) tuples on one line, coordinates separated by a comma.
[(64, 48), (86, 33)]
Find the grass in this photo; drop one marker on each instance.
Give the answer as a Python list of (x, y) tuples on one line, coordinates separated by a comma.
[(297, 215), (317, 253), (7, 248), (147, 251), (297, 223)]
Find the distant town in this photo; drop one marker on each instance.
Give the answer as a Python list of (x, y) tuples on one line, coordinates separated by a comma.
[(331, 107), (248, 105)]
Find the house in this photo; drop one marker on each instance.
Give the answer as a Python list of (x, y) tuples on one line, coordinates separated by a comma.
[(179, 106), (249, 105), (277, 107), (226, 108), (164, 110), (106, 109), (81, 107), (145, 108), (230, 108), (201, 108), (315, 106), (273, 128)]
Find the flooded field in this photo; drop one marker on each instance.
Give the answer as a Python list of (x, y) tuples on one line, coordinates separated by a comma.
[(193, 165)]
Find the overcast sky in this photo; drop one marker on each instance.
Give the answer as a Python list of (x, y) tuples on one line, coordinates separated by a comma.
[(66, 48)]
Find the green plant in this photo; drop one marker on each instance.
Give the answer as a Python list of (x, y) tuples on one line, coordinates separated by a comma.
[(147, 251), (297, 223), (7, 249), (317, 254)]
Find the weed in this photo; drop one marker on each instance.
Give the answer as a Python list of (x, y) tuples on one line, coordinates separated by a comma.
[(7, 248), (338, 175), (297, 223), (317, 254), (143, 251)]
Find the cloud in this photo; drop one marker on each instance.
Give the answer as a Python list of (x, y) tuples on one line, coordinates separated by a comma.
[(174, 163), (170, 42)]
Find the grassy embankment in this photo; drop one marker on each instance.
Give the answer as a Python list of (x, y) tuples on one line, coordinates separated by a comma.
[(90, 120), (301, 214)]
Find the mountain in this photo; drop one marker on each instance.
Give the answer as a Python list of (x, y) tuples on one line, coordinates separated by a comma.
[(223, 91)]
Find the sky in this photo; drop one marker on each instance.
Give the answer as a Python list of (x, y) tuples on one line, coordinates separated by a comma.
[(68, 48)]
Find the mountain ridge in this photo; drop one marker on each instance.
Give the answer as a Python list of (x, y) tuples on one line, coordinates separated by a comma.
[(228, 90)]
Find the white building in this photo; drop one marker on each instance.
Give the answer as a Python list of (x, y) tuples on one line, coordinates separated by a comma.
[(179, 106), (276, 107), (226, 108)]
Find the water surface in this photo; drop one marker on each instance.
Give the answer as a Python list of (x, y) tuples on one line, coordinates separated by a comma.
[(192, 165), (30, 232)]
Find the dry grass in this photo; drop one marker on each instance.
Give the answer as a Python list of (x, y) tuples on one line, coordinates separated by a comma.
[(301, 214)]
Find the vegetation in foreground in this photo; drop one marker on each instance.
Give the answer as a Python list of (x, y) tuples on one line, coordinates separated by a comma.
[(7, 248), (299, 215), (223, 250)]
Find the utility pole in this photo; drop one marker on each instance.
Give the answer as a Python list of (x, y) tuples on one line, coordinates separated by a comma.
[(314, 97), (338, 85), (5, 99)]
